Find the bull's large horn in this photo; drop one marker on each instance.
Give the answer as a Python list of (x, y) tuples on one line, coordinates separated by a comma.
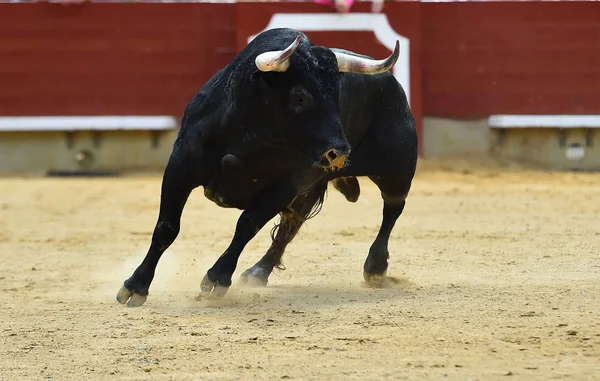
[(354, 64), (277, 60)]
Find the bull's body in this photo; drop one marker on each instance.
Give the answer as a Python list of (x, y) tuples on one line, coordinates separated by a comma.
[(269, 143)]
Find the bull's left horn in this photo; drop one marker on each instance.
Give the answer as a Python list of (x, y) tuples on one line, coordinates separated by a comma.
[(354, 64), (277, 60)]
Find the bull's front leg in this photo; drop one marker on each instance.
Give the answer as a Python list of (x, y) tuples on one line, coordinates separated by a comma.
[(217, 280), (291, 222), (177, 184)]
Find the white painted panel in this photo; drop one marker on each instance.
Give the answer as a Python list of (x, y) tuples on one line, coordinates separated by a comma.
[(548, 121), (73, 123)]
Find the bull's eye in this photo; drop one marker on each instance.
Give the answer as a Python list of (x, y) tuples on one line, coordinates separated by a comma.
[(300, 99)]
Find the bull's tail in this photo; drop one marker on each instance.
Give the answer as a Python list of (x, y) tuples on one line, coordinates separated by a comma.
[(348, 186)]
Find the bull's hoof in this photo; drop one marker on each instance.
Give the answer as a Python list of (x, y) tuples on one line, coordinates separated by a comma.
[(375, 267), (254, 277), (130, 298), (212, 289)]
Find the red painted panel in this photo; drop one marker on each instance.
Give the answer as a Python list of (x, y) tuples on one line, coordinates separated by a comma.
[(482, 58), (93, 58)]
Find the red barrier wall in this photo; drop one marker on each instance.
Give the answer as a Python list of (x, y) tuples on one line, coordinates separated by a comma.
[(481, 58), (94, 59)]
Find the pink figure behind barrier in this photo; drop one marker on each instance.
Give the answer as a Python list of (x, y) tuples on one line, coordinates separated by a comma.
[(342, 6)]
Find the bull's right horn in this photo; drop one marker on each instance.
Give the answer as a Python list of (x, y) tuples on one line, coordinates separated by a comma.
[(277, 60), (354, 64)]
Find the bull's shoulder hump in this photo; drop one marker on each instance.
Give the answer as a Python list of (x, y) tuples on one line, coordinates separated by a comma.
[(200, 108), (206, 91)]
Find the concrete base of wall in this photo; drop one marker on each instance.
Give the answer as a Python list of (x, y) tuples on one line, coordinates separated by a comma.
[(40, 152), (548, 148), (567, 149), (446, 137)]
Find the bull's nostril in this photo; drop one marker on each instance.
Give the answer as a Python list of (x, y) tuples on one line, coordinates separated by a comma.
[(331, 155), (333, 159)]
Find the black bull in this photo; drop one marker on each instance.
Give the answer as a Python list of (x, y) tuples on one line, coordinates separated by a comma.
[(266, 135)]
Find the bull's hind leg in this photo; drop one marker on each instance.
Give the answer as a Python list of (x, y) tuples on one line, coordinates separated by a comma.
[(348, 186), (284, 233), (177, 184), (394, 191)]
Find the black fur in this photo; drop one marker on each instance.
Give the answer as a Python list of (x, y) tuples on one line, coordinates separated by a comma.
[(253, 141)]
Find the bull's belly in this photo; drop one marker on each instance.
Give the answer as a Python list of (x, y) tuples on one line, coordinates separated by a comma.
[(244, 194), (239, 190), (240, 197), (241, 183)]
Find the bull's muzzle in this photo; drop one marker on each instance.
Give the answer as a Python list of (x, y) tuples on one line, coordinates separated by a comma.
[(334, 159)]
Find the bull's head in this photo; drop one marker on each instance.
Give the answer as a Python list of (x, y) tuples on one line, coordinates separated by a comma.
[(301, 91), (279, 60)]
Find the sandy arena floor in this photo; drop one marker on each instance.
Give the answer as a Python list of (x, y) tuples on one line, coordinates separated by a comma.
[(500, 280)]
